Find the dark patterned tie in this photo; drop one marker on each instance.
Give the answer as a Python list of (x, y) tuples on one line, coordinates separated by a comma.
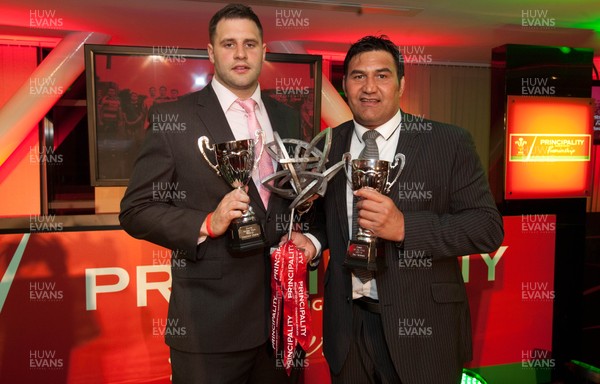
[(370, 151)]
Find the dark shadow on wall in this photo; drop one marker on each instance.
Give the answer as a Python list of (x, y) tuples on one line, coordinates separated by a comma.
[(44, 317)]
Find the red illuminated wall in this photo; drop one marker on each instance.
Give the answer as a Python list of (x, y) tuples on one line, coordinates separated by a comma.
[(90, 307), (19, 175)]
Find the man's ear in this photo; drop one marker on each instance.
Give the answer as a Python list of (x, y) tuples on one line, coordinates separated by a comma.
[(211, 53), (401, 86)]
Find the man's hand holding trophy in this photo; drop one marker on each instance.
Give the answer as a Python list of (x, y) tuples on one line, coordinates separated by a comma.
[(377, 175)]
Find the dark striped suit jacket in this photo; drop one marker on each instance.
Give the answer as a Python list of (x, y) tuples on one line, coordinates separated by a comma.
[(219, 300), (448, 212)]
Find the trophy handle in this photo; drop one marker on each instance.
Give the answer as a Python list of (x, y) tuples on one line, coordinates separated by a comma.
[(399, 161), (204, 142), (347, 159)]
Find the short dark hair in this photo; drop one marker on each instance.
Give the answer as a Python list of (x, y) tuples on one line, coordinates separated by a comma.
[(376, 43), (233, 11)]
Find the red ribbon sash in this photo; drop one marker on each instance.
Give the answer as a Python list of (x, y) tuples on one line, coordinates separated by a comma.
[(289, 299)]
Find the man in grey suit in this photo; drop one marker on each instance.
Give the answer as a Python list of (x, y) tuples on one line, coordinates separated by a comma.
[(409, 321), (219, 298)]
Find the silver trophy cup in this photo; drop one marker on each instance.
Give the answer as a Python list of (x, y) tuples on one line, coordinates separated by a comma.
[(375, 174), (235, 163)]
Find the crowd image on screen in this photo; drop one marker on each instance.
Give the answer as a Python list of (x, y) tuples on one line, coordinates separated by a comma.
[(122, 121)]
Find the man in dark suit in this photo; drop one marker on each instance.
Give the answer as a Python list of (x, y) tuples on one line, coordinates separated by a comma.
[(409, 321), (219, 298)]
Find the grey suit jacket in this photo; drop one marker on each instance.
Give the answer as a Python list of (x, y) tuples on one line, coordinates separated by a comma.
[(218, 299), (448, 211)]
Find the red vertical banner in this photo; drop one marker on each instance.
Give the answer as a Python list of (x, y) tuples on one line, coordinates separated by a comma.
[(511, 293), (317, 369)]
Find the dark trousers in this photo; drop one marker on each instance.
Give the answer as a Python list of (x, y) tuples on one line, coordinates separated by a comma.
[(253, 366), (369, 360)]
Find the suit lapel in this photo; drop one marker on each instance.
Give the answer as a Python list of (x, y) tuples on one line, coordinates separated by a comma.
[(213, 117), (340, 181), (409, 143), (279, 125), (277, 119)]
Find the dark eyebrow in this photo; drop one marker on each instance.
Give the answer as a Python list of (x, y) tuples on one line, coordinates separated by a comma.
[(224, 41), (356, 72), (361, 72)]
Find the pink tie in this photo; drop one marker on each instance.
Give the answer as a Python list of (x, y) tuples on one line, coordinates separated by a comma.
[(265, 166)]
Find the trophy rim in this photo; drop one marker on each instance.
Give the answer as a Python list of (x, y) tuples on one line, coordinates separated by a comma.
[(249, 141), (371, 161)]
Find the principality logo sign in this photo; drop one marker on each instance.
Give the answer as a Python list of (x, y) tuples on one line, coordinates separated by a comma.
[(533, 147)]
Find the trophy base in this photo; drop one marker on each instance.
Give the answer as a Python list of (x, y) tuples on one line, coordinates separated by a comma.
[(362, 254), (246, 236)]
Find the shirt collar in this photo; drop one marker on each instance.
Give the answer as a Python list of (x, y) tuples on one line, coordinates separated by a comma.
[(386, 130), (227, 98)]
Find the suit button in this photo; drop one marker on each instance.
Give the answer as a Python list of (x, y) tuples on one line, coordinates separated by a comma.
[(347, 299)]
